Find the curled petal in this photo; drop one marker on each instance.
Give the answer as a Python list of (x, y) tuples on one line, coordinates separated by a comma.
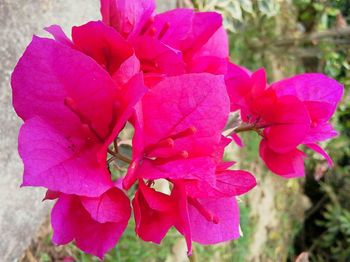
[(112, 206), (311, 87), (105, 45), (71, 221), (321, 151), (287, 165), (57, 32), (127, 17)]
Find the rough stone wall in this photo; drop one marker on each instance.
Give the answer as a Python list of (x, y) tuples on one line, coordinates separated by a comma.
[(21, 210)]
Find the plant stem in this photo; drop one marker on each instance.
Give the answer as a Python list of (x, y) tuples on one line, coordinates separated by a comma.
[(243, 128), (119, 156), (123, 158)]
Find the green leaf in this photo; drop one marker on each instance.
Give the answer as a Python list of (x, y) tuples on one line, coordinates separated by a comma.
[(246, 5), (268, 7), (235, 11)]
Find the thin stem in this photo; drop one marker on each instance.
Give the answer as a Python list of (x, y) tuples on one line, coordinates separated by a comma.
[(251, 127), (111, 160), (244, 128), (118, 156), (111, 152), (115, 144), (123, 158)]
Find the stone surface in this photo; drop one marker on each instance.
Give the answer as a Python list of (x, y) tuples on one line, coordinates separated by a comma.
[(21, 210)]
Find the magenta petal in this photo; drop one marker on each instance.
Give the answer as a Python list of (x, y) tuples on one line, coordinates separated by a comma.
[(212, 57), (155, 200), (206, 232), (126, 16), (112, 206), (193, 100), (68, 102), (311, 87), (320, 132), (320, 113), (129, 68), (219, 152), (315, 147), (204, 26), (105, 45), (178, 23), (227, 183), (201, 168), (60, 163), (152, 214), (217, 45), (208, 64), (132, 92), (320, 94), (237, 140), (50, 74), (238, 84), (289, 127), (288, 165), (258, 82), (183, 220), (70, 221), (51, 195), (57, 32), (178, 138), (158, 58), (234, 182), (186, 30)]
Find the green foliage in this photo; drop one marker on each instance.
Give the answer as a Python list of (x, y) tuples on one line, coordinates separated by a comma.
[(237, 12), (330, 236), (335, 239), (44, 257)]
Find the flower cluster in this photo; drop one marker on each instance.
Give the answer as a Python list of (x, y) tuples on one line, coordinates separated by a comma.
[(168, 75)]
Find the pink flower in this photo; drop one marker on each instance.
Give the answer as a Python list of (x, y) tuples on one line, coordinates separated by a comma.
[(127, 17), (169, 75), (205, 213), (155, 213), (106, 46), (178, 137), (321, 95), (72, 111), (95, 223), (202, 209), (291, 112), (172, 42)]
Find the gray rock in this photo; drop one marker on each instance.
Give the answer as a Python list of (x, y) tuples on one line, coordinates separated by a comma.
[(21, 210)]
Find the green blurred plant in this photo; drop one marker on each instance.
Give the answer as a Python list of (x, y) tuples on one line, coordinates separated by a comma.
[(236, 12), (334, 243), (327, 231)]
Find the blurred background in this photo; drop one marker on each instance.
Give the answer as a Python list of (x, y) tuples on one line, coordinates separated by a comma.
[(300, 220)]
